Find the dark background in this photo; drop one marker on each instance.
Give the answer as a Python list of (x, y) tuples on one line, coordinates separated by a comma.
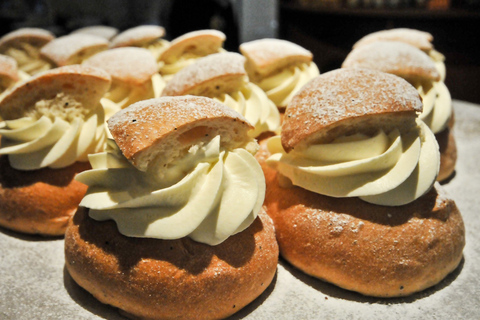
[(328, 28)]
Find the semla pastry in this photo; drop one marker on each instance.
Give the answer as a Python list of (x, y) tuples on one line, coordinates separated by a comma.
[(416, 67), (172, 225), (279, 67), (24, 46), (187, 48), (350, 187), (222, 76), (51, 123)]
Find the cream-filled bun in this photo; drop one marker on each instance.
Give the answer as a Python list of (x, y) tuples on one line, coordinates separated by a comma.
[(189, 238), (134, 77), (24, 46), (149, 37), (345, 208), (417, 38), (73, 49), (222, 76), (279, 67), (186, 49), (9, 73), (416, 67), (51, 123), (106, 32)]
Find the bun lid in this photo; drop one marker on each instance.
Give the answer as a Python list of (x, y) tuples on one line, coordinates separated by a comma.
[(8, 69), (106, 32), (137, 36), (394, 57), (83, 84), (35, 36), (162, 129), (420, 39), (265, 56), (347, 101), (129, 65), (73, 48), (200, 42), (208, 76)]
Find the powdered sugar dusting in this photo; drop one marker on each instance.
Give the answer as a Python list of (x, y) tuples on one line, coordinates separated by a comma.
[(205, 69), (393, 57), (64, 48), (30, 35), (137, 35), (127, 64), (420, 39)]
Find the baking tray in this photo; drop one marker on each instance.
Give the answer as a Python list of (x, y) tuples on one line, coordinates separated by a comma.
[(35, 285)]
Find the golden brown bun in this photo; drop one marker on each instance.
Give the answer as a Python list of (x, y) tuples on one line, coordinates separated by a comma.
[(345, 101), (393, 57), (209, 76), (170, 279), (84, 84), (374, 250), (127, 65), (268, 56), (137, 36), (41, 201), (200, 43), (35, 37), (420, 39), (73, 49), (448, 153), (170, 125)]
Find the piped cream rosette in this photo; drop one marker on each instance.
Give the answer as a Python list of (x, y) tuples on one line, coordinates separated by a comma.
[(24, 46), (51, 122), (417, 38), (186, 49), (412, 64), (391, 165), (189, 172), (146, 36), (279, 67), (134, 77), (222, 76)]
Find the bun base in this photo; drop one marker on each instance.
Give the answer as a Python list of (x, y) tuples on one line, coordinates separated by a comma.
[(170, 279), (40, 201), (374, 250)]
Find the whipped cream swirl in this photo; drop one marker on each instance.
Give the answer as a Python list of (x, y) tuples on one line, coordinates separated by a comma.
[(390, 169), (282, 86), (208, 195), (437, 104), (251, 102), (46, 138)]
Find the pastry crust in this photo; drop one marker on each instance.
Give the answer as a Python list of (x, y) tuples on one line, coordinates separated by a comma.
[(191, 119), (374, 250), (345, 101), (84, 84), (8, 72), (171, 279), (73, 48), (129, 65), (393, 57), (210, 75), (107, 32), (41, 201), (34, 36), (200, 43), (137, 36), (420, 39)]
